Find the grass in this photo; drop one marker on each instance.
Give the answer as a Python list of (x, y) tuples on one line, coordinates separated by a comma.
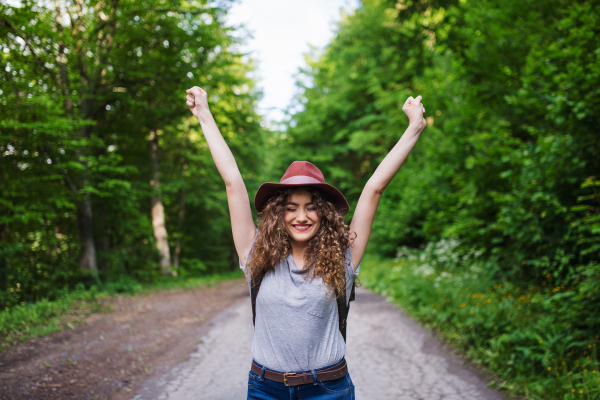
[(522, 334), (44, 317)]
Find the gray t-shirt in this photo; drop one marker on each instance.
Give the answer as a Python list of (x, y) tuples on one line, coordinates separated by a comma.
[(297, 326)]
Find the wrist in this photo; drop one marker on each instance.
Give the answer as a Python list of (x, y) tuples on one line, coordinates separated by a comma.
[(414, 128), (204, 115)]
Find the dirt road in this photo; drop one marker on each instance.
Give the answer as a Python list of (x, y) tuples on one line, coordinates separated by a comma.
[(195, 344), (115, 353), (389, 357)]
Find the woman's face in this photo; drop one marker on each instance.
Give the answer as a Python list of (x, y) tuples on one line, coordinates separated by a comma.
[(301, 218)]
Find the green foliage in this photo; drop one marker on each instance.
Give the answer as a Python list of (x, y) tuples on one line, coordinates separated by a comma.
[(534, 337), (67, 310), (45, 317), (588, 225), (81, 91), (510, 91), (503, 179)]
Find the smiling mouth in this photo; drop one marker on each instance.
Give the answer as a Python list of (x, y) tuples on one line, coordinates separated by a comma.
[(302, 228)]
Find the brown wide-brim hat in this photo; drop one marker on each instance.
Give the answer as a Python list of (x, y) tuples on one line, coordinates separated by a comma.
[(300, 173)]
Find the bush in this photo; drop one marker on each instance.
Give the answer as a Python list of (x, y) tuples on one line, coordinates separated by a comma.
[(540, 339), (44, 317)]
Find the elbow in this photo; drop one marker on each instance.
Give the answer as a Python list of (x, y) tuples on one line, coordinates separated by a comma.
[(233, 183), (375, 189), (229, 186)]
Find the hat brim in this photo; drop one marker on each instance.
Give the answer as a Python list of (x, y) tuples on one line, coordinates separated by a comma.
[(269, 189)]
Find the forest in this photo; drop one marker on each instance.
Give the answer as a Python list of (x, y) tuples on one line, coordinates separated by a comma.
[(106, 180), (104, 176)]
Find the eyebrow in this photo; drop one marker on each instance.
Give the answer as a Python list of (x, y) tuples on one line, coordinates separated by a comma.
[(296, 204)]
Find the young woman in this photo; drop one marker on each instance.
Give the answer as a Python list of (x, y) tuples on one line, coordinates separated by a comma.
[(302, 257)]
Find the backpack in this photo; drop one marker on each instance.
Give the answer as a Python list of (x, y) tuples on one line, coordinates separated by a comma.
[(341, 303)]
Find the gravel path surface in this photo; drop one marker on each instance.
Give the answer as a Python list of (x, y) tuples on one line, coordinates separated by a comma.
[(389, 357), (110, 355)]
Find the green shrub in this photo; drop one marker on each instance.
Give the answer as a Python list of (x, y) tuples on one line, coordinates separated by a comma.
[(45, 317), (23, 322), (539, 339)]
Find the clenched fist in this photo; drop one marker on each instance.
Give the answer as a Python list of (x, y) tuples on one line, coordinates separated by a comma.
[(197, 100), (414, 110)]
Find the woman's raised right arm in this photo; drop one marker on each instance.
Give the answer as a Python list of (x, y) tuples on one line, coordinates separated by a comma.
[(242, 223)]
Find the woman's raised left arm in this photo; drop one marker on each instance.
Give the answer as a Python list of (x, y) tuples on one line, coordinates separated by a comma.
[(362, 222)]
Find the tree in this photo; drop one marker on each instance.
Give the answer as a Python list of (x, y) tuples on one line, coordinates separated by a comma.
[(508, 87), (86, 82)]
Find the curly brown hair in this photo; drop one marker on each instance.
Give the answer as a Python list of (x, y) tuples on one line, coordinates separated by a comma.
[(325, 255)]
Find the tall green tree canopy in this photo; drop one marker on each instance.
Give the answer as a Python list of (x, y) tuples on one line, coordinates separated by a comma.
[(85, 84), (511, 92)]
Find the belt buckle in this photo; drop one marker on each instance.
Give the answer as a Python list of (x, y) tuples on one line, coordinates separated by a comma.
[(285, 377)]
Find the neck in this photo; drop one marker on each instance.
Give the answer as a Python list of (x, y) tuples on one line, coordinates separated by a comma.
[(298, 251)]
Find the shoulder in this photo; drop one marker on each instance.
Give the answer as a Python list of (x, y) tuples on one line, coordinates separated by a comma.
[(349, 263), (245, 264)]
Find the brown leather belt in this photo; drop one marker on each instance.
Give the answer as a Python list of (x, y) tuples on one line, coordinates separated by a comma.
[(302, 378)]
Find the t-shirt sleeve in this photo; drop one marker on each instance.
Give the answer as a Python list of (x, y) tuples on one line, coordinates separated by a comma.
[(350, 273), (243, 267)]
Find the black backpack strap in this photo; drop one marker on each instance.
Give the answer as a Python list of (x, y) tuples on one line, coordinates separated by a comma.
[(253, 294), (343, 309), (254, 288)]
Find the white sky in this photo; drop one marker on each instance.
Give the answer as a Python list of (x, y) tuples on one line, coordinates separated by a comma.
[(282, 31)]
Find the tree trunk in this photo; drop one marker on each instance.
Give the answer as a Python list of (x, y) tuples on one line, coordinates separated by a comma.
[(57, 235), (87, 255), (181, 212), (158, 212), (103, 240), (180, 216)]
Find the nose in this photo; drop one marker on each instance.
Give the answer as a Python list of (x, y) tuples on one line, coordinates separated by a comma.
[(301, 217)]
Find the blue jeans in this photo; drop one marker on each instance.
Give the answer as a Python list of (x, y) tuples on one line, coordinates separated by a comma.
[(264, 389)]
